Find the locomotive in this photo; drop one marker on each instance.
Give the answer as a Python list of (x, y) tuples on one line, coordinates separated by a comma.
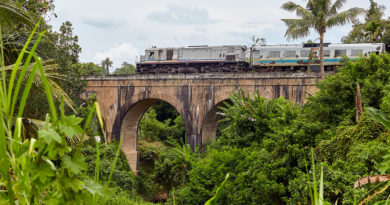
[(194, 59), (263, 58)]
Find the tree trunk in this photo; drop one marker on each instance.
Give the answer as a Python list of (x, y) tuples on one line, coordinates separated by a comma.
[(322, 67), (359, 105)]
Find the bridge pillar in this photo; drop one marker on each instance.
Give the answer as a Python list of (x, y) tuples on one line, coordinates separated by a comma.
[(194, 140)]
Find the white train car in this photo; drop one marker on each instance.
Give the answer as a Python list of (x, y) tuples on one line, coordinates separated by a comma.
[(300, 56)]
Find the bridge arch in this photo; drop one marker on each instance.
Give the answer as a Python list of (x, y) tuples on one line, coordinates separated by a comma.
[(210, 122), (129, 127)]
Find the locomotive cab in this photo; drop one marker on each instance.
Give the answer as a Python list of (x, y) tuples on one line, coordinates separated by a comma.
[(152, 54)]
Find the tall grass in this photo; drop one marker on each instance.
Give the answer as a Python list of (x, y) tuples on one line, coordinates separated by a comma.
[(44, 168)]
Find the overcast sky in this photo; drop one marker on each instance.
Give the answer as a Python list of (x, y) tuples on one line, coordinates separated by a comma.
[(122, 29)]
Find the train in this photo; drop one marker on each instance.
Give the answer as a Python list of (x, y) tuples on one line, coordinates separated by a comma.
[(260, 58)]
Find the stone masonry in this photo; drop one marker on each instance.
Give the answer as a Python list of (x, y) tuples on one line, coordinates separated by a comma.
[(124, 99)]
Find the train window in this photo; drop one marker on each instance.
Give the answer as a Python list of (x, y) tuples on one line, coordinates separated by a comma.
[(290, 54), (305, 53), (356, 52), (151, 54), (256, 54), (326, 53), (274, 54), (339, 53)]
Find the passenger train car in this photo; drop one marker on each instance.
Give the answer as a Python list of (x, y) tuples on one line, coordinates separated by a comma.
[(264, 58), (302, 56), (193, 59)]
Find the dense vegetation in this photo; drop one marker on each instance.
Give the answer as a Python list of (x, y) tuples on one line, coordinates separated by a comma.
[(264, 145)]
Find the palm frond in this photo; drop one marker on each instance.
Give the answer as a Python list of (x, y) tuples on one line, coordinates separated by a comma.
[(380, 188), (336, 6), (344, 17), (289, 6), (304, 13), (11, 14), (297, 28), (51, 76)]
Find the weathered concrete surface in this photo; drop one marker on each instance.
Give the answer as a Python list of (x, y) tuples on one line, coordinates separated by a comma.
[(124, 99)]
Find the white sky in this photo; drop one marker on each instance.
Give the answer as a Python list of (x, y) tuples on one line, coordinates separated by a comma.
[(122, 29)]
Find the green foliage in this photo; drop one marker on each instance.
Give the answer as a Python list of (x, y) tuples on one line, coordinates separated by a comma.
[(154, 130), (335, 100), (171, 169), (117, 196), (83, 69), (125, 69), (165, 111), (106, 65), (44, 169), (251, 120), (373, 29), (121, 176)]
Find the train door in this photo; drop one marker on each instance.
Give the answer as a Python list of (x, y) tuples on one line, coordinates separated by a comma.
[(169, 54)]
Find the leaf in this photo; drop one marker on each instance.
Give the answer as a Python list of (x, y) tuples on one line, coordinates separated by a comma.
[(384, 166), (70, 125), (45, 173), (218, 193), (75, 184), (49, 135), (92, 187), (75, 164), (378, 116)]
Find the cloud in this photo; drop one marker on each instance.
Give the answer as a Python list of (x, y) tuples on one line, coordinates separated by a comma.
[(102, 22), (124, 52), (181, 15)]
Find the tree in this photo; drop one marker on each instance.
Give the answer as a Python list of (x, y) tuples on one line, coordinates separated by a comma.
[(106, 64), (374, 29), (320, 15), (88, 69), (126, 68)]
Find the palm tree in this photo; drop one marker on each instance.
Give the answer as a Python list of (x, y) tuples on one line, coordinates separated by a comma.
[(106, 64), (12, 15), (320, 15)]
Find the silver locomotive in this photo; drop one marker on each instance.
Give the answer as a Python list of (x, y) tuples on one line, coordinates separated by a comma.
[(193, 59)]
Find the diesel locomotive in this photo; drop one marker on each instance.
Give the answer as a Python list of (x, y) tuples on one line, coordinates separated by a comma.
[(238, 58), (194, 59)]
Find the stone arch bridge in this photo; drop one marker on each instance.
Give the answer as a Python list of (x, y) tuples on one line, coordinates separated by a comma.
[(124, 99)]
